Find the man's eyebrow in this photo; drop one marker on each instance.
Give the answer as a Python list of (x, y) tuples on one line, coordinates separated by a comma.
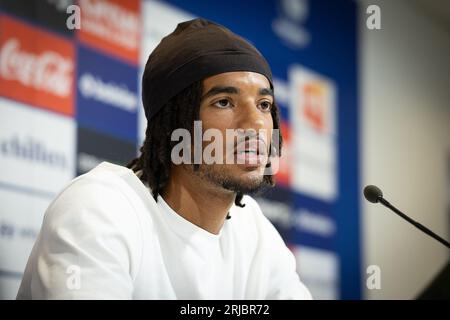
[(233, 90), (266, 92), (221, 89)]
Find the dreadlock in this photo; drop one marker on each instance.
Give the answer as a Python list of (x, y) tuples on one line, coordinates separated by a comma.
[(179, 112)]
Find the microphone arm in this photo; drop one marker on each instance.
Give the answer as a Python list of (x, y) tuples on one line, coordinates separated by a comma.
[(373, 194), (415, 223)]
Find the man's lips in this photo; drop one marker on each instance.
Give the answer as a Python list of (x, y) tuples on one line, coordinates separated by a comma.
[(251, 153), (255, 146)]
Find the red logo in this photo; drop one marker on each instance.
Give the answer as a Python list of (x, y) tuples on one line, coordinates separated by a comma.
[(112, 26), (284, 172), (314, 106), (36, 67)]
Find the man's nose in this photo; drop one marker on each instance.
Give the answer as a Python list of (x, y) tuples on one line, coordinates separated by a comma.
[(250, 117)]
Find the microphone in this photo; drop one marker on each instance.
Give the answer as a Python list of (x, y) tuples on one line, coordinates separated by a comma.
[(374, 194)]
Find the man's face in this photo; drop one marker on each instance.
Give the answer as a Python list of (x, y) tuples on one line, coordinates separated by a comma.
[(238, 101)]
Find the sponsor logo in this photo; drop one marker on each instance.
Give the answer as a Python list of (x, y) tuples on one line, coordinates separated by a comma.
[(302, 220), (36, 67), (47, 71), (112, 26), (107, 99), (313, 110), (6, 230), (284, 170), (117, 95), (10, 231), (292, 14), (315, 223), (37, 148), (32, 149)]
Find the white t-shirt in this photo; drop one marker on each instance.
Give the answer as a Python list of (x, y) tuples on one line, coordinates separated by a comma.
[(105, 237)]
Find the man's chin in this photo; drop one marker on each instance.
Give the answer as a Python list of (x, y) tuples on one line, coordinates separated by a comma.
[(245, 183), (245, 180)]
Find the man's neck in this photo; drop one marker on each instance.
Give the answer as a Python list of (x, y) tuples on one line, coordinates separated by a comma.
[(197, 201)]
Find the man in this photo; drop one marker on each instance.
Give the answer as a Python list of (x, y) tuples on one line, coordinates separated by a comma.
[(165, 229)]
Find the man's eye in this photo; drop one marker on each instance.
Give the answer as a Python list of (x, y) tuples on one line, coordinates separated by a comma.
[(265, 106), (223, 103)]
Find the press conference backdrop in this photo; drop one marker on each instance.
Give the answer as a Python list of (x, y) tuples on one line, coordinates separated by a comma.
[(70, 99)]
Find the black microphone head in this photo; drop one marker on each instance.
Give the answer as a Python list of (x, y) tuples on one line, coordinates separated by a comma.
[(373, 193)]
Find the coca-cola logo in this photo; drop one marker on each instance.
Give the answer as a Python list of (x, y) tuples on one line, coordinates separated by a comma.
[(48, 71)]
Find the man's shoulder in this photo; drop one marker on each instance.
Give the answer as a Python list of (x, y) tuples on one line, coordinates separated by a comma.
[(105, 172), (104, 178), (103, 191)]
